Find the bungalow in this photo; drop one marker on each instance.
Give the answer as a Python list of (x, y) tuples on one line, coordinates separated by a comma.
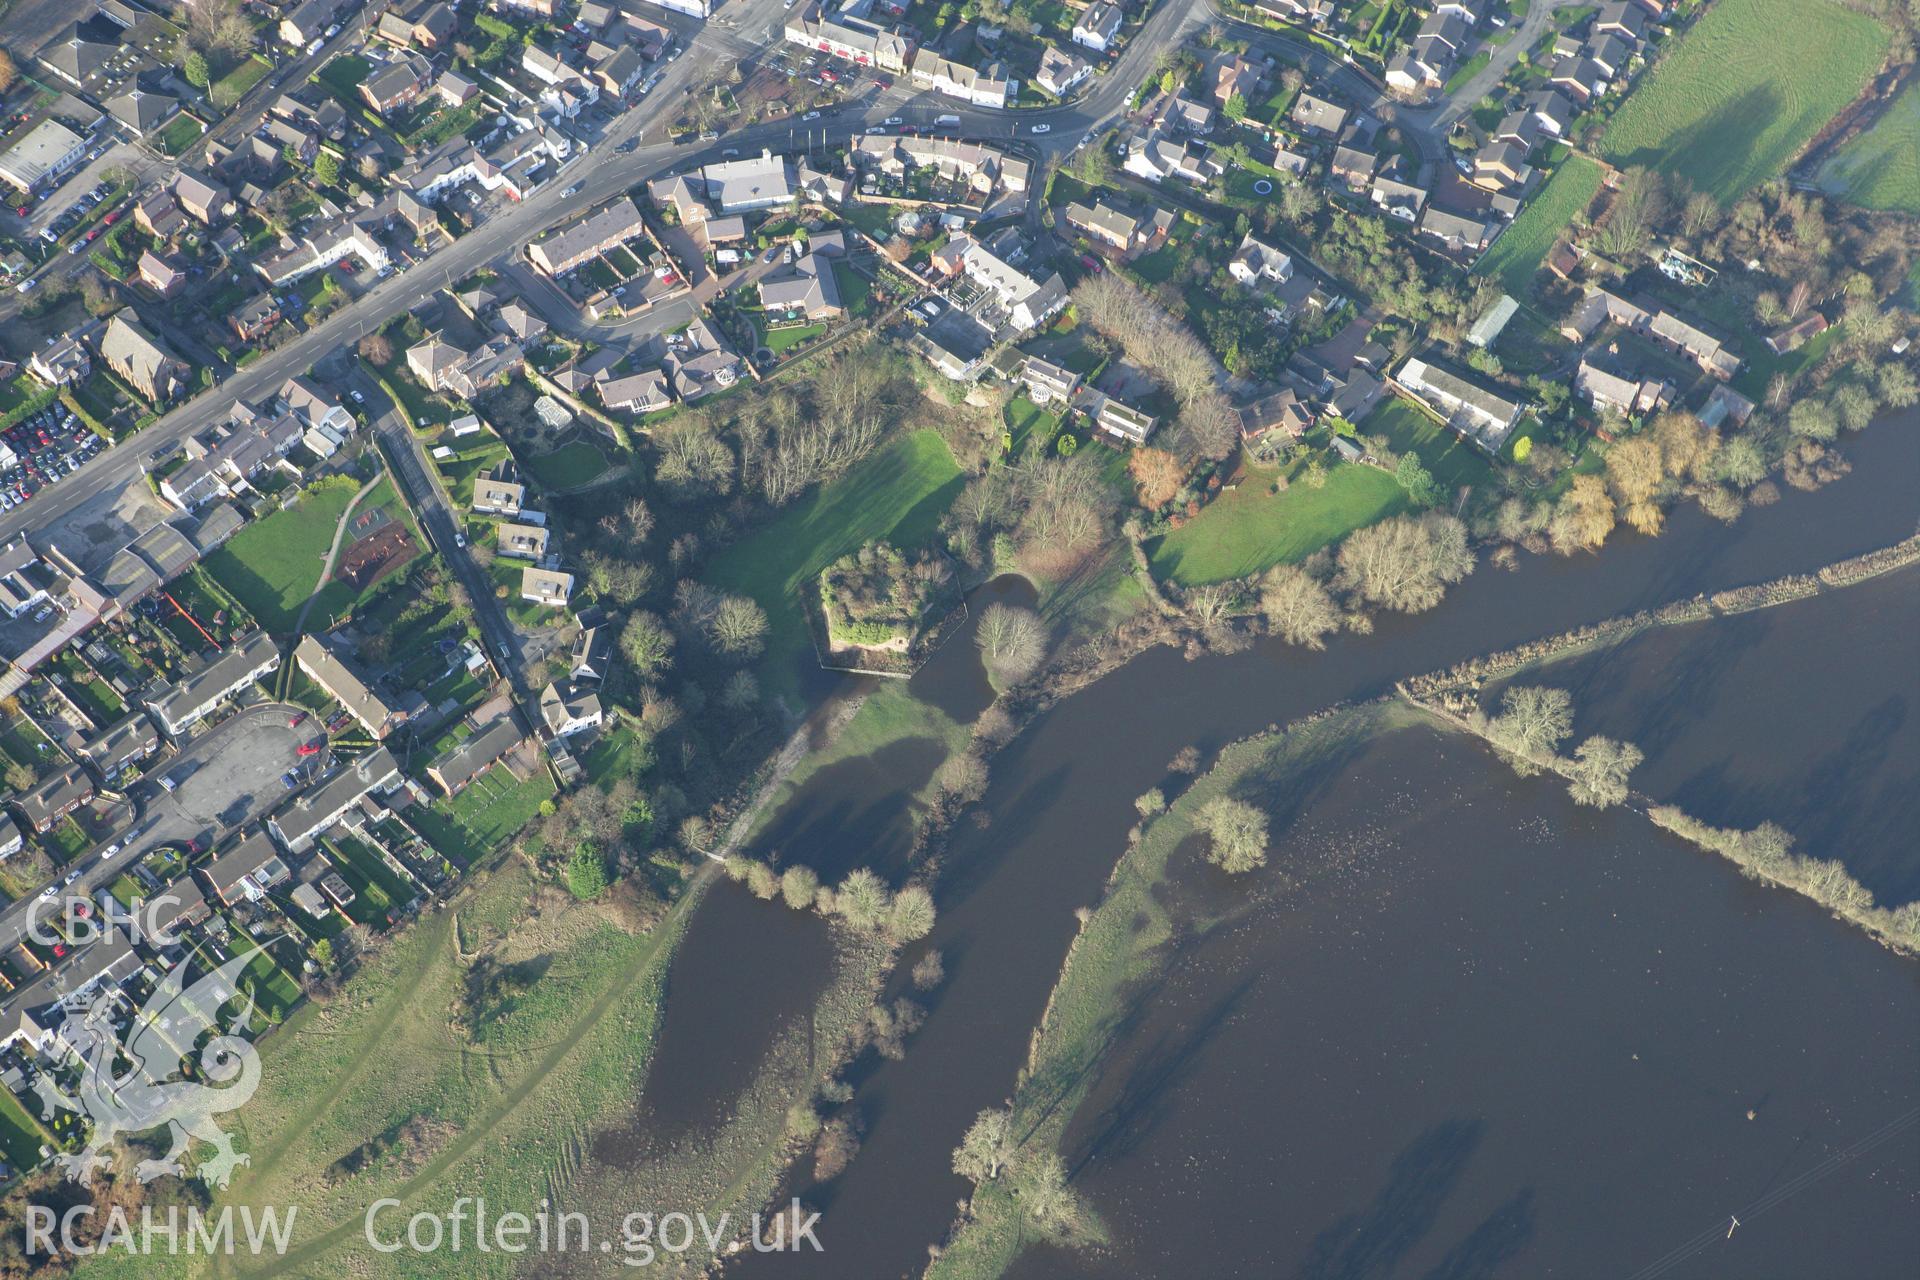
[(1098, 27), (474, 755), (1795, 336), (645, 392), (521, 541), (1121, 421), (698, 363), (1479, 413), (549, 587), (1458, 232), (807, 287), (1317, 115), (497, 493), (566, 709), (245, 872)]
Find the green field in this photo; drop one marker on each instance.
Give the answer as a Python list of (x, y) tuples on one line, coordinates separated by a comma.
[(1880, 169), (1516, 256), (271, 566), (233, 86), (1738, 96), (1445, 453), (1250, 529), (898, 493)]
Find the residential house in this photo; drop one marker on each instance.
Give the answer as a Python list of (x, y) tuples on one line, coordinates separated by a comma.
[(299, 824), (1502, 166), (1581, 79), (1256, 262), (62, 362), (1796, 335), (521, 541), (255, 317), (849, 36), (1725, 406), (1707, 351), (475, 754), (1122, 421), (1156, 156), (497, 493), (1479, 413), (1061, 70), (1238, 76), (347, 686), (807, 287), (593, 654), (1610, 54), (566, 709), (1046, 382), (11, 841), (1282, 412), (549, 587), (561, 250), (1624, 19), (54, 797), (159, 214), (644, 392), (1402, 200), (308, 21), (1117, 228), (160, 275), (1098, 26), (24, 578), (987, 86), (245, 872), (340, 238), (140, 360), (202, 199), (1027, 302), (194, 696), (1318, 116), (397, 84), (1458, 232), (1552, 111), (125, 742), (698, 363), (1632, 396), (1353, 167), (223, 465)]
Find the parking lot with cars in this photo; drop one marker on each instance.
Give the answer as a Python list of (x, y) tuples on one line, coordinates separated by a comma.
[(41, 450)]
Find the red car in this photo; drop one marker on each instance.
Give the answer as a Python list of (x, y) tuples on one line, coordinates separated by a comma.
[(59, 949), (308, 749), (113, 217), (294, 721)]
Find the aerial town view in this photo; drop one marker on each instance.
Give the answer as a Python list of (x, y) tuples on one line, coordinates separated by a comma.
[(960, 639)]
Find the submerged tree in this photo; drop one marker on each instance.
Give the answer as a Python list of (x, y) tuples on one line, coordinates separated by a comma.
[(1045, 1198), (1298, 607), (986, 1149), (1599, 773), (1532, 725), (1236, 833), (1012, 642), (1405, 563)]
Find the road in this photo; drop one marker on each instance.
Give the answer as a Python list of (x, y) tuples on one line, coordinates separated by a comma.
[(1441, 116)]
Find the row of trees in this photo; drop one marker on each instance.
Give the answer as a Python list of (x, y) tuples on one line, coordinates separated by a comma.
[(1532, 724), (1157, 342), (861, 902)]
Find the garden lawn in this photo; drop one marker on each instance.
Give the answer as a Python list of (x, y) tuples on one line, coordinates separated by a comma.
[(1516, 256), (271, 566), (20, 1135), (898, 493), (1250, 529), (233, 86), (1445, 453), (181, 132), (1880, 169), (479, 452), (780, 340), (1741, 93), (481, 818), (573, 464)]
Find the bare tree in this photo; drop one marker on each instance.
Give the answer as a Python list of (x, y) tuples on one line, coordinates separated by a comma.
[(1405, 563), (1012, 642), (1298, 607), (1532, 724), (1598, 776), (1236, 834)]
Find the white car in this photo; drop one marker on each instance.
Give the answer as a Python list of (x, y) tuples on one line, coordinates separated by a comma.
[(460, 540), (878, 128), (358, 397), (72, 876), (1041, 128), (106, 854), (25, 285), (811, 115), (895, 120)]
